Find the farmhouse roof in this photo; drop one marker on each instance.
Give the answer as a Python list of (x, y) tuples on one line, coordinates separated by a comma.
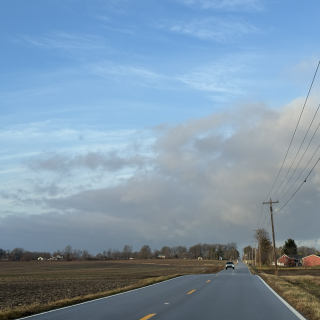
[(316, 255), (293, 256)]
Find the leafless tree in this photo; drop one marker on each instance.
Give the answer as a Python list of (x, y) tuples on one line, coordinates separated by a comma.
[(86, 255), (67, 252), (145, 252), (195, 251), (166, 251), (262, 235), (77, 254), (16, 254), (307, 251), (127, 250)]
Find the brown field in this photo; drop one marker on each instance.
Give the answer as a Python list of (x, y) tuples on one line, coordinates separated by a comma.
[(31, 287), (298, 286)]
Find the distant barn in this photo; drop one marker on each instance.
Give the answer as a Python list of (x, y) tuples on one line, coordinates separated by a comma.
[(312, 260)]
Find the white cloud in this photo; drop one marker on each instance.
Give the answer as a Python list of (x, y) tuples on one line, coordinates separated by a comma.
[(303, 71), (133, 75), (77, 44), (228, 75), (114, 70), (93, 160), (215, 29), (230, 5), (200, 184)]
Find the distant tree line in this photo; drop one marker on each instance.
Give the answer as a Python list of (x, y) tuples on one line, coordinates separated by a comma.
[(200, 250)]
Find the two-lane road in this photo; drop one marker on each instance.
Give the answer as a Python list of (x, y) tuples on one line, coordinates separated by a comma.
[(230, 294)]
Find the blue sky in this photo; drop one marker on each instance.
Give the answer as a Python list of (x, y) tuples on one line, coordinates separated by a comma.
[(102, 98)]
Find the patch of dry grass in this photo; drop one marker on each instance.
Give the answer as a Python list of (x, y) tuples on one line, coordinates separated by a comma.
[(301, 291)]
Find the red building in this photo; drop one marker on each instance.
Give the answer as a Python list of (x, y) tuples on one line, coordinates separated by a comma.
[(312, 260), (290, 260)]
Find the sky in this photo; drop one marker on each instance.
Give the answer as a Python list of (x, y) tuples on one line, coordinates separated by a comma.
[(156, 122)]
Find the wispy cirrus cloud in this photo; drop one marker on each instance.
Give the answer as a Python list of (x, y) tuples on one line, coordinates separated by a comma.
[(228, 75), (132, 74), (215, 29), (72, 43), (230, 5), (112, 69)]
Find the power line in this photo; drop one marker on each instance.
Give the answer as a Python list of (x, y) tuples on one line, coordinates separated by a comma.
[(294, 131), (265, 217), (279, 197), (260, 216), (305, 180), (297, 153), (301, 172), (275, 206)]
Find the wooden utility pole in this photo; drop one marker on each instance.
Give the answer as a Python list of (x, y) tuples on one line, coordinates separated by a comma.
[(255, 254), (259, 247), (274, 243), (252, 256)]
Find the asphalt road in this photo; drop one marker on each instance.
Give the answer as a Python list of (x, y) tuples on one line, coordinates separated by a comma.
[(230, 294)]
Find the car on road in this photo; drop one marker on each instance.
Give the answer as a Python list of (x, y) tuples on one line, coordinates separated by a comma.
[(229, 264)]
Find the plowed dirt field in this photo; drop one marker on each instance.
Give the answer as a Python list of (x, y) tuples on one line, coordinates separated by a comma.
[(25, 283)]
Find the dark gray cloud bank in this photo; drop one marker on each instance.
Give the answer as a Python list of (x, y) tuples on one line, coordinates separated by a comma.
[(199, 181)]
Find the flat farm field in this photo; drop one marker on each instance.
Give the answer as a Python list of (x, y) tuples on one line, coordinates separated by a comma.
[(30, 287)]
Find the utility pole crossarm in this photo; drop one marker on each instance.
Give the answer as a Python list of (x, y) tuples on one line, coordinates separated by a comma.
[(269, 202)]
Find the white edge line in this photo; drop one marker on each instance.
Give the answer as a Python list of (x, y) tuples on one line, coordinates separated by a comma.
[(284, 301), (113, 295), (280, 298)]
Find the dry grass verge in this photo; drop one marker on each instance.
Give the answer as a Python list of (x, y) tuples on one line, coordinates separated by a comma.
[(23, 311), (302, 292)]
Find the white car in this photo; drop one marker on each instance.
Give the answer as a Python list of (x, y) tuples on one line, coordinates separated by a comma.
[(229, 264)]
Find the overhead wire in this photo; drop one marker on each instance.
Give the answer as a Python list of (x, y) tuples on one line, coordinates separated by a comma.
[(295, 130), (265, 220), (279, 197), (305, 180), (296, 154), (301, 172), (260, 216)]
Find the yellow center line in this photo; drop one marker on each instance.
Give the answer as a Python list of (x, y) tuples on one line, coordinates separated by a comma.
[(191, 291), (148, 316), (208, 280)]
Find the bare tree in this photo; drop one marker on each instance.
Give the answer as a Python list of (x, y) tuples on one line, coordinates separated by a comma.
[(195, 251), (115, 254), (182, 252), (145, 252), (127, 250), (109, 254), (306, 251), (77, 254), (166, 251), (86, 255), (262, 235), (16, 254), (67, 252)]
